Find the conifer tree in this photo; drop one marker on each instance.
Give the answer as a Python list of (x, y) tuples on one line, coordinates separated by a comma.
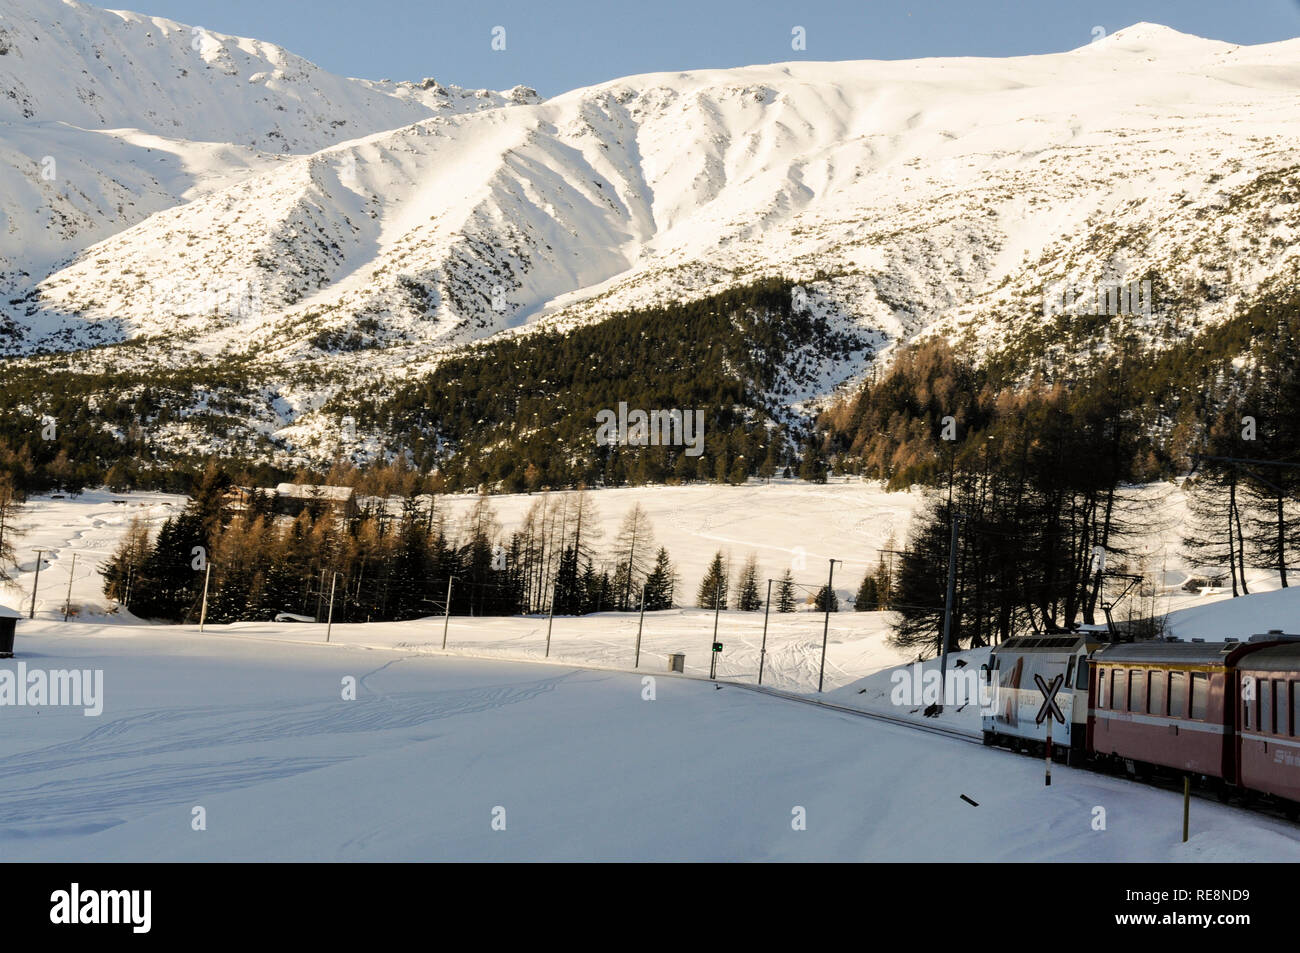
[(713, 587), (748, 598), (785, 593)]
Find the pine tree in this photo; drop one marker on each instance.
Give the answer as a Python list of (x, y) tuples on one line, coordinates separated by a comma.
[(747, 594), (868, 595), (826, 598), (122, 568), (660, 583), (9, 529), (785, 594), (713, 587)]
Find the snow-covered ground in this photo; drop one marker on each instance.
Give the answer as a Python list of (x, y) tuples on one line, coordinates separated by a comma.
[(575, 764), (249, 722)]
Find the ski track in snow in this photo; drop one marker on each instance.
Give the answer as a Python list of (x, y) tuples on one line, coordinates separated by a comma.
[(32, 801)]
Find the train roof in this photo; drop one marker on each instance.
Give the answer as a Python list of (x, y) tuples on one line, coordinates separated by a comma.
[(1276, 658), (1048, 643), (1191, 653), (1183, 653)]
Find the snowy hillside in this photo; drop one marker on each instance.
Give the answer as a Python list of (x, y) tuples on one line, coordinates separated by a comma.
[(924, 194), (110, 116), (283, 221)]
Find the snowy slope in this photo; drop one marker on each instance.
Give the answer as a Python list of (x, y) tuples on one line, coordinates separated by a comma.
[(944, 193), (583, 766), (138, 113)]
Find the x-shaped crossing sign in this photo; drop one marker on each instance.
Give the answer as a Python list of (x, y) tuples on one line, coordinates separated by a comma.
[(1049, 699)]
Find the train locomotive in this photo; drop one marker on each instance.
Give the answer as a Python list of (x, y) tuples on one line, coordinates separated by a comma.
[(1226, 713)]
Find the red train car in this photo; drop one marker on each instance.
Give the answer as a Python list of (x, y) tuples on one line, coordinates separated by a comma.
[(1171, 704), (1268, 723)]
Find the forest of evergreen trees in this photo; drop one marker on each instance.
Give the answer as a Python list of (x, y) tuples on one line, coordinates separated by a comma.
[(1033, 471), (383, 564)]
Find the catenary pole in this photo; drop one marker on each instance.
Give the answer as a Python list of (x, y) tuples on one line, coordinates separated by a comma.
[(31, 613), (762, 653), (446, 616), (67, 603), (826, 626), (640, 625), (203, 613)]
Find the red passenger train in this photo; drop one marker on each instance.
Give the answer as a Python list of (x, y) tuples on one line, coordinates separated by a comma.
[(1228, 712), (1221, 710)]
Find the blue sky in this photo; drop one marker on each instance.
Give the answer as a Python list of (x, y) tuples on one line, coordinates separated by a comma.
[(557, 45)]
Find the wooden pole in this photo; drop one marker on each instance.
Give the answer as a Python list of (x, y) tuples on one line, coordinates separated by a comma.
[(203, 613), (550, 617), (762, 653), (446, 617), (31, 614), (330, 624), (67, 603), (639, 626), (1187, 802)]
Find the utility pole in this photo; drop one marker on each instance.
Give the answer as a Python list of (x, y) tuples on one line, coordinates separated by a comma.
[(826, 626), (67, 603), (762, 652), (31, 614), (334, 578), (550, 617), (639, 626), (717, 607), (947, 609), (446, 616), (203, 613)]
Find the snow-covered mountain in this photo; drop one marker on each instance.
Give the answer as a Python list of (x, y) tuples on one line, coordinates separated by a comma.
[(108, 117), (910, 196)]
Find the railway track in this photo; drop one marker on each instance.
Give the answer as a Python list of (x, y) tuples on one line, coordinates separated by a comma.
[(967, 736)]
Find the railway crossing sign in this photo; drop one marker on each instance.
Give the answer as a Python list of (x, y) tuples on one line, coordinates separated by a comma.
[(1049, 699)]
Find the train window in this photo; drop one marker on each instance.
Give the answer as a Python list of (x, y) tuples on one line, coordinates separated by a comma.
[(1178, 694), (1295, 709), (1265, 689), (1081, 682), (1118, 693), (1200, 695), (1069, 673), (1281, 708), (1103, 682), (1137, 684), (1156, 695), (1248, 701)]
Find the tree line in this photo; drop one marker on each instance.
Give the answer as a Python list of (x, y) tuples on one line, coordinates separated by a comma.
[(391, 559)]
